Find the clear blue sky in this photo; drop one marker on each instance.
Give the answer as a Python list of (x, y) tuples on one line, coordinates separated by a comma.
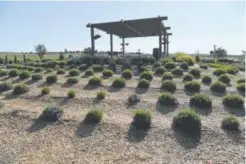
[(60, 25)]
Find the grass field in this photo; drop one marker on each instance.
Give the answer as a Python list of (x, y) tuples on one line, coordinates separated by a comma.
[(33, 57)]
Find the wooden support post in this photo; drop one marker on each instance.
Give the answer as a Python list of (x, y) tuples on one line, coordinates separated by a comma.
[(92, 41), (165, 45), (160, 46), (111, 45), (168, 45), (123, 46)]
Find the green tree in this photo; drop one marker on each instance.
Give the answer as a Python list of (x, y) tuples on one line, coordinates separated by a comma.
[(40, 50)]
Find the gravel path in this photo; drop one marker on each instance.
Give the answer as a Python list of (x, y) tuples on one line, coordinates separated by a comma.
[(26, 140)]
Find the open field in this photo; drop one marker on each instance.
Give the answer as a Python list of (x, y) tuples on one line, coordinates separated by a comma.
[(26, 139), (33, 57)]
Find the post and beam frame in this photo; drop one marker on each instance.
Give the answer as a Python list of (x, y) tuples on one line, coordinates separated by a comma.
[(133, 31)]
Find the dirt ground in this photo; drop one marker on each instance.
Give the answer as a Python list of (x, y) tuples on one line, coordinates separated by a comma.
[(24, 139)]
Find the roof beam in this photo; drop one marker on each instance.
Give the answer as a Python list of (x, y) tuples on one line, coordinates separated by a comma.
[(133, 29)]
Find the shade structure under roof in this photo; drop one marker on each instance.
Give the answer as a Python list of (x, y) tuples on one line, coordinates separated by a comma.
[(133, 28)]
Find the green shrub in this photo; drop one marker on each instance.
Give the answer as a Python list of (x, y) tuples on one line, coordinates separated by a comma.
[(232, 71), (219, 71), (49, 70), (230, 123), (61, 71), (83, 67), (241, 80), (142, 69), (119, 83), (170, 65), (143, 83), (61, 56), (146, 75), (5, 86), (89, 72), (133, 99), (177, 72), (25, 75), (127, 74), (3, 72), (197, 57), (167, 76), (206, 79), (224, 79), (13, 72), (126, 65), (195, 72), (201, 101), (107, 73), (51, 79), (183, 57), (101, 95), (72, 80), (184, 66), (95, 81), (94, 116), (20, 89), (73, 72), (192, 86), (71, 94), (30, 68), (233, 101), (45, 91), (142, 119), (166, 98), (160, 71), (164, 61), (187, 77), (39, 69), (188, 121), (218, 87), (168, 86), (156, 65), (51, 113), (98, 68), (61, 64), (241, 87), (204, 66), (37, 77)]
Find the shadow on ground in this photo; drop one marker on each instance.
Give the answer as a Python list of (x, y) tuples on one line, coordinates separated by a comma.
[(17, 80), (141, 90), (136, 135), (29, 82), (218, 94), (67, 85), (6, 78), (90, 87), (188, 141), (202, 111), (164, 109), (235, 135), (44, 84), (39, 125), (96, 101), (114, 89), (10, 96), (235, 111), (188, 93), (85, 129), (64, 101)]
